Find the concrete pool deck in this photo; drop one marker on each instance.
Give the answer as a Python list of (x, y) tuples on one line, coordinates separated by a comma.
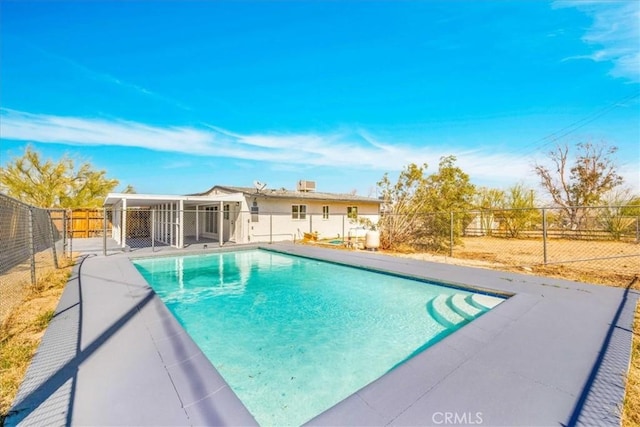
[(555, 353)]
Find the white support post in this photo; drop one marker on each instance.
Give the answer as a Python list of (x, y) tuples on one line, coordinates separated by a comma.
[(153, 229), (115, 222), (123, 231), (220, 224), (165, 232), (197, 224), (171, 222), (181, 225)]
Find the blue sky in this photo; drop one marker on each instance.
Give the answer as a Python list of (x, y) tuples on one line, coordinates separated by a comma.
[(174, 97)]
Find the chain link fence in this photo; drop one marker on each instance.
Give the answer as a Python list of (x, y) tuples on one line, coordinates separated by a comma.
[(593, 238), (31, 241), (596, 238)]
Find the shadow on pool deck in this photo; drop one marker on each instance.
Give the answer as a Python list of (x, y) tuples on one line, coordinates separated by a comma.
[(556, 353), (63, 370), (605, 381)]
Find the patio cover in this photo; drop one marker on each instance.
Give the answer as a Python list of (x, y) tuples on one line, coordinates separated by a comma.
[(122, 201), (146, 200)]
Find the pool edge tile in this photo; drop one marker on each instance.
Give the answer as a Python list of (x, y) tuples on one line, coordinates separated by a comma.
[(395, 391), (221, 408), (353, 411), (195, 378)]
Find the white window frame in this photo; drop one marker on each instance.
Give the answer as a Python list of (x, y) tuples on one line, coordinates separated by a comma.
[(299, 212), (255, 212), (325, 212)]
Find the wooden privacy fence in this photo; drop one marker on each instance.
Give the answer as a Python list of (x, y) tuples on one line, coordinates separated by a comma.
[(83, 223)]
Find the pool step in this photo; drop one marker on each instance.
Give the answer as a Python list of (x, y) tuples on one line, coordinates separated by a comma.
[(457, 309), (441, 310), (463, 307), (484, 302)]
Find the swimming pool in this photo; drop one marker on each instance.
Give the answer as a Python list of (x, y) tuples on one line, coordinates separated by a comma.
[(294, 336)]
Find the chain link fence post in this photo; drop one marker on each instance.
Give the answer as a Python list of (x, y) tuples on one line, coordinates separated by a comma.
[(451, 233), (104, 231), (53, 241), (64, 233), (70, 233), (32, 248), (28, 249), (544, 236)]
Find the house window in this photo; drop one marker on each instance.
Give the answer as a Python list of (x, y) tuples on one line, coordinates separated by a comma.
[(211, 219), (352, 212), (299, 211), (325, 212), (255, 217), (226, 211)]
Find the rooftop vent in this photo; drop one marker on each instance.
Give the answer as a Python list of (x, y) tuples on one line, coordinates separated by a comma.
[(306, 186)]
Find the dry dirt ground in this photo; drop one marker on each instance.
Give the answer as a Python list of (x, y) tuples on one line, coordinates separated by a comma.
[(17, 281), (607, 263), (23, 325)]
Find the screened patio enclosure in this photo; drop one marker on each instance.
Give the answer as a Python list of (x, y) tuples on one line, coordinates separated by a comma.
[(145, 219)]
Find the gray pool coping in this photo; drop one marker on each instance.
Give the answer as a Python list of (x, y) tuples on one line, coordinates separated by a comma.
[(555, 353)]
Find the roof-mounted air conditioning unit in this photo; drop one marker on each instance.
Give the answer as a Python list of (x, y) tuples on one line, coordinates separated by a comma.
[(306, 186)]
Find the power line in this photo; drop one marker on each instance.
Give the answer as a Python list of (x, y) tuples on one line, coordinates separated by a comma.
[(569, 129)]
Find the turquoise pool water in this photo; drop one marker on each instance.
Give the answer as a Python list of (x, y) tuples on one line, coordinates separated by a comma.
[(294, 336)]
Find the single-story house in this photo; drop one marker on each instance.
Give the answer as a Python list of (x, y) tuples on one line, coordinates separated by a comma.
[(237, 214)]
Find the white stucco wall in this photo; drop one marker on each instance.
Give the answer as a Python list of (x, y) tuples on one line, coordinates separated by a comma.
[(275, 219)]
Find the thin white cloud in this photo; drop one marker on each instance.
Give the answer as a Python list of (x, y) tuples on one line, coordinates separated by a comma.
[(102, 76), (354, 150), (615, 34), (81, 131)]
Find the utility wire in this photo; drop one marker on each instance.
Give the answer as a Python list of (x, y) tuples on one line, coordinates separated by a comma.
[(569, 129)]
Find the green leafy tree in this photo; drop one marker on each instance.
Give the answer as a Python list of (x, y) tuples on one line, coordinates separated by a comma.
[(583, 182), (417, 208), (620, 214), (487, 200), (50, 184), (129, 189), (632, 207), (402, 206), (520, 212), (448, 190)]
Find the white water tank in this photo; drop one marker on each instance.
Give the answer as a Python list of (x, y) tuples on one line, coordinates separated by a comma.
[(372, 239)]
